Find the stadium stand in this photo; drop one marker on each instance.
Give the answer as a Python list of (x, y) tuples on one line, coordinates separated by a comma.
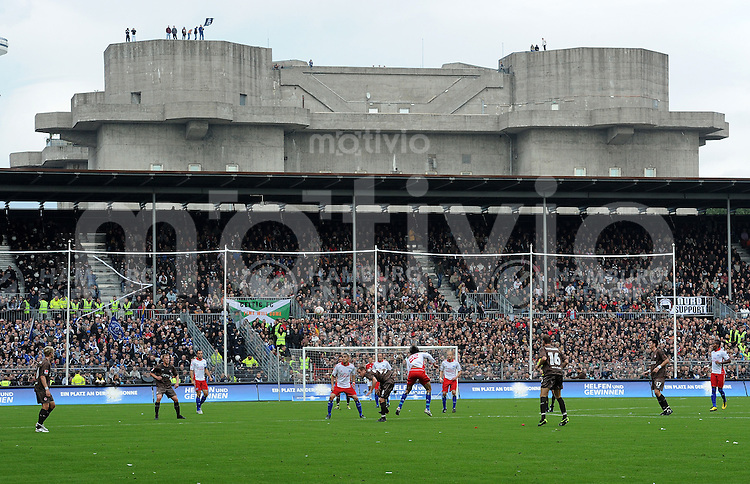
[(603, 321)]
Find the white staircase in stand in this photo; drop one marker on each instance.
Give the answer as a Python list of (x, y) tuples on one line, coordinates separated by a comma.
[(106, 279), (428, 268), (8, 259)]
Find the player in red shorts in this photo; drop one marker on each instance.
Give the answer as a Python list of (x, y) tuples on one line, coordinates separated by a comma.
[(450, 369), (342, 381), (719, 358), (416, 364), (199, 373)]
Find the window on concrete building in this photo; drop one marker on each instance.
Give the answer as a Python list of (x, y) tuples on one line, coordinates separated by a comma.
[(615, 171), (432, 162), (233, 167), (135, 98), (194, 167), (579, 171), (404, 110), (649, 172), (373, 110), (466, 159), (243, 99), (157, 167)]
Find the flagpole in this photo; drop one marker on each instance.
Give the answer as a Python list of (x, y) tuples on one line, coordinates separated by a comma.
[(531, 307), (67, 324), (225, 310), (674, 306), (376, 302)]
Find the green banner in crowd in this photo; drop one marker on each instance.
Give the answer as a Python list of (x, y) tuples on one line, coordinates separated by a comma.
[(267, 310)]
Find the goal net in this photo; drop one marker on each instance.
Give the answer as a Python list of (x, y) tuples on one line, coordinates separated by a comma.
[(312, 366)]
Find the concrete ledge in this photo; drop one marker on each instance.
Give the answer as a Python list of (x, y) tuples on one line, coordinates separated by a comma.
[(195, 130), (619, 135), (65, 153), (25, 158), (51, 122)]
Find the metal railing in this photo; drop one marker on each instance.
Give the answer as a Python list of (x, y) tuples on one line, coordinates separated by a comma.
[(629, 316), (490, 301), (200, 342), (259, 349), (723, 311)]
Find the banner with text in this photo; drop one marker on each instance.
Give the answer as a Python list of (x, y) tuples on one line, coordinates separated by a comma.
[(288, 392)]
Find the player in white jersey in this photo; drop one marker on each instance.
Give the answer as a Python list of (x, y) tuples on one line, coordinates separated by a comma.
[(719, 358), (449, 371), (342, 381), (199, 373), (416, 364)]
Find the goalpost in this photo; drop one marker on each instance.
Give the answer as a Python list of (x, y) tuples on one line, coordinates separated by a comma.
[(316, 364)]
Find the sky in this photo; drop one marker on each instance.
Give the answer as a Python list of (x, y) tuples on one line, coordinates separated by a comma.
[(56, 48)]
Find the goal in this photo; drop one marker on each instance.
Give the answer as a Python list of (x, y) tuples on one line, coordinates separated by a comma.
[(313, 379)]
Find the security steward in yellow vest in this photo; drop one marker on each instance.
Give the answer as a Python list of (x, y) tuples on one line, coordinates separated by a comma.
[(43, 308), (128, 307), (88, 305)]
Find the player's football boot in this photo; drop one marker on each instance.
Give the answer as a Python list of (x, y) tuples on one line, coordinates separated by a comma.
[(667, 411), (724, 406), (362, 416), (454, 410), (543, 421), (382, 419), (427, 412), (338, 406), (199, 411), (180, 417), (41, 428), (398, 410), (348, 407), (564, 421), (444, 410), (328, 417), (712, 409), (156, 417)]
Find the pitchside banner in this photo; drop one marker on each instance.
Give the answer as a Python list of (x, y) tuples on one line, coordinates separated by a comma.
[(273, 392)]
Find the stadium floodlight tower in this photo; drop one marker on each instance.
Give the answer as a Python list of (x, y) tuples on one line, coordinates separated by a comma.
[(3, 46)]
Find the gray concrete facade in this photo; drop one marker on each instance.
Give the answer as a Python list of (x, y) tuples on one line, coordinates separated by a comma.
[(219, 106)]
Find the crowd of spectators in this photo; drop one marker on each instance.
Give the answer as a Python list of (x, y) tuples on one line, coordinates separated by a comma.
[(93, 348), (492, 345), (497, 348)]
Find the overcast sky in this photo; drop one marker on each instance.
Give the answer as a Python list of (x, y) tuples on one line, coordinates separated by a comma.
[(56, 47)]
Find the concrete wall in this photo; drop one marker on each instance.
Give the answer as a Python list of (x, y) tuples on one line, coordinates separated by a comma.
[(356, 151), (590, 77), (346, 89), (137, 146), (164, 72), (558, 152)]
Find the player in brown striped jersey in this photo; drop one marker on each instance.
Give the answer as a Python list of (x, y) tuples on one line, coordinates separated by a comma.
[(553, 361)]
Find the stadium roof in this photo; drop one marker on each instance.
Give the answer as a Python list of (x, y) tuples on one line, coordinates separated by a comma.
[(202, 187)]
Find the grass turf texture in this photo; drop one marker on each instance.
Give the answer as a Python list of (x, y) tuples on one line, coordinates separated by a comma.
[(606, 440)]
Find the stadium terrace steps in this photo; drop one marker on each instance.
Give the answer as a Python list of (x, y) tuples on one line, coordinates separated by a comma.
[(744, 255), (428, 268), (9, 260), (107, 280)]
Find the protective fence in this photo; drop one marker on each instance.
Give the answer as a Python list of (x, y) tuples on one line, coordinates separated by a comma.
[(247, 309)]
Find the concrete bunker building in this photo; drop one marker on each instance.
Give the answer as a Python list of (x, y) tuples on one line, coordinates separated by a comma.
[(221, 106)]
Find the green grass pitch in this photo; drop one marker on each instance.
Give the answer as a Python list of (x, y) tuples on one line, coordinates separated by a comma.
[(607, 440)]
